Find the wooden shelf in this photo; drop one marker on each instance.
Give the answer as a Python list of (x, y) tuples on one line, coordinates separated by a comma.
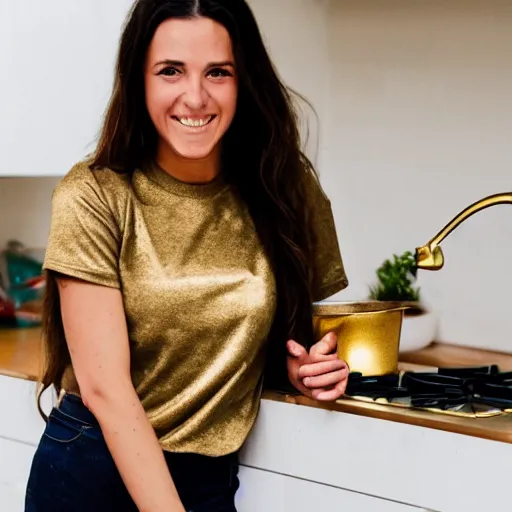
[(444, 355), (20, 353)]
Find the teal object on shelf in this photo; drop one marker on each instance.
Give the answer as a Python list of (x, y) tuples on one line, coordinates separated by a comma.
[(21, 268)]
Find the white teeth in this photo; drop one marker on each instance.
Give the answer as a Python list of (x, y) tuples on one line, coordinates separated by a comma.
[(194, 122)]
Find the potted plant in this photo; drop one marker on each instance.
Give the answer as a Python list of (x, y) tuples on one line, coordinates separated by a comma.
[(396, 279)]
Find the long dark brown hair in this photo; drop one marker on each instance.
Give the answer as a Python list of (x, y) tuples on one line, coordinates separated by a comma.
[(262, 159)]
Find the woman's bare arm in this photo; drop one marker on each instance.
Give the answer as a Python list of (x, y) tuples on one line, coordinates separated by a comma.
[(96, 332)]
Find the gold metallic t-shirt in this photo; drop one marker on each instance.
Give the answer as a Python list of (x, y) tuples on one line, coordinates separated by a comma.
[(198, 291)]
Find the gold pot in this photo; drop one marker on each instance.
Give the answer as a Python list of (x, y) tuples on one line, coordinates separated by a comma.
[(368, 333)]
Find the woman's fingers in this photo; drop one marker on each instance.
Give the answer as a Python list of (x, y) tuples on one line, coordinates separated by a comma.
[(318, 368), (296, 350), (319, 374), (326, 379), (330, 395), (326, 345)]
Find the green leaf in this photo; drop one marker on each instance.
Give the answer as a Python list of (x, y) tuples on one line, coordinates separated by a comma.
[(395, 279)]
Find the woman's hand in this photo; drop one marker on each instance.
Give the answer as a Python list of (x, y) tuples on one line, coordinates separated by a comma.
[(320, 374)]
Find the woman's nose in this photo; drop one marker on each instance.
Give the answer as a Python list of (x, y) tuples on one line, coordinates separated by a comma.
[(195, 96)]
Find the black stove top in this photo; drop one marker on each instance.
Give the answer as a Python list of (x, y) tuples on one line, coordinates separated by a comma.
[(479, 391)]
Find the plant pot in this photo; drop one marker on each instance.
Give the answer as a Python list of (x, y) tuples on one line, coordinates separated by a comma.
[(419, 330)]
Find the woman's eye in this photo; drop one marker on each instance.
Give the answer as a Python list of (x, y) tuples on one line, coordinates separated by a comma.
[(169, 72), (219, 73)]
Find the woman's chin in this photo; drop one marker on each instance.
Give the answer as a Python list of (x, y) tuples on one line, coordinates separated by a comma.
[(194, 152), (196, 155)]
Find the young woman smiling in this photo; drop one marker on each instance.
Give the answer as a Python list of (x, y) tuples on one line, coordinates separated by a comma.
[(183, 260)]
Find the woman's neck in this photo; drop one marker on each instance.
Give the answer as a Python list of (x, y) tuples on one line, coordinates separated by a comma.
[(186, 170)]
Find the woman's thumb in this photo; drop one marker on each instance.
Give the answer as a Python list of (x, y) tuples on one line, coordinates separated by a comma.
[(295, 349)]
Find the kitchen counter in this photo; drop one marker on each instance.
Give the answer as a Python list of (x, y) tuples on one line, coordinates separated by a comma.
[(20, 356), (20, 353), (304, 454)]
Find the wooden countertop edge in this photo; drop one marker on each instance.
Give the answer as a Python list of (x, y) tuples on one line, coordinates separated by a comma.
[(473, 427), (18, 375)]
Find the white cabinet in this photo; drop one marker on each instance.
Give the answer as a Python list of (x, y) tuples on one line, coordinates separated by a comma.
[(19, 417), (15, 460), (357, 458), (262, 490), (57, 63), (20, 430)]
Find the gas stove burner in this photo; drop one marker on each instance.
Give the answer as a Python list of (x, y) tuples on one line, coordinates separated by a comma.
[(478, 391)]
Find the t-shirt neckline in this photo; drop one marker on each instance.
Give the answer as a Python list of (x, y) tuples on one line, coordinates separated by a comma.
[(199, 190)]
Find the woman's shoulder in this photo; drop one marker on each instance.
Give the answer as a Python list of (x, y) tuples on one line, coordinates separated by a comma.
[(314, 191), (84, 177), (94, 185)]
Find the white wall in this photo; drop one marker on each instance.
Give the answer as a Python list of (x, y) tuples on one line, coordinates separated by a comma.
[(25, 209), (415, 115), (420, 127), (297, 39)]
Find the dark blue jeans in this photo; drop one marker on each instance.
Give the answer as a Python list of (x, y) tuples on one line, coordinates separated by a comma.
[(73, 471)]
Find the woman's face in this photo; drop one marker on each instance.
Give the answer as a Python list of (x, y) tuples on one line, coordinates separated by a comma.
[(191, 86)]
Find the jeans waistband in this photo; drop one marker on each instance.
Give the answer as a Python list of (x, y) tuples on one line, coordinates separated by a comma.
[(73, 405)]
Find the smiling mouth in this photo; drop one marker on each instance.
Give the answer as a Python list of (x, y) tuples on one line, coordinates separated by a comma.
[(190, 122)]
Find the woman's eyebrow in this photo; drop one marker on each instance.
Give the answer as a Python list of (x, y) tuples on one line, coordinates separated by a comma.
[(220, 64), (170, 62)]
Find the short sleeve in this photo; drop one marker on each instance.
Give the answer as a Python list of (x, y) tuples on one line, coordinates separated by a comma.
[(329, 275), (84, 239)]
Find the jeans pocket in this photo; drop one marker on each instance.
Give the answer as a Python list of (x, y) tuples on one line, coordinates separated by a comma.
[(63, 428)]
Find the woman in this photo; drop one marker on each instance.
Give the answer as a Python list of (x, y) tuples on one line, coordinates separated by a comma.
[(182, 255)]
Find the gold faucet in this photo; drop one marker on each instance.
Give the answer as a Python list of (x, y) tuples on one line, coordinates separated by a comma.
[(430, 256)]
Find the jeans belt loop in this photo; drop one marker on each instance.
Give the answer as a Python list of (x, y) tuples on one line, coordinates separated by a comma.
[(62, 394)]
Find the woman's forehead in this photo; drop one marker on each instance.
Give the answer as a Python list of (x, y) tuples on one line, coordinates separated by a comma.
[(194, 40)]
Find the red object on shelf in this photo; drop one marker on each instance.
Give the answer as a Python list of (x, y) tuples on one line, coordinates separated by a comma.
[(7, 311)]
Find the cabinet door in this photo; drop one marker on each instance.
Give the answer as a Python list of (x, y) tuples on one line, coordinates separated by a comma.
[(261, 490), (15, 461), (57, 69), (19, 417)]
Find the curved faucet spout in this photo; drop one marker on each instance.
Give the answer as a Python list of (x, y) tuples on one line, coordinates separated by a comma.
[(430, 256)]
